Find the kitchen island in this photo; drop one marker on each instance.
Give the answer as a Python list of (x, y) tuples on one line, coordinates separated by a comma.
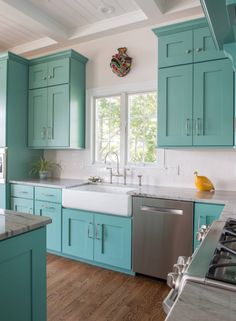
[(22, 266)]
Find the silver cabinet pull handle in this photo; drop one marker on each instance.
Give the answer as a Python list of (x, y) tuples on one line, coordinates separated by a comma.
[(101, 237), (188, 51), (23, 192), (89, 234), (43, 133), (198, 126), (49, 195), (49, 208), (49, 132), (187, 127), (69, 232), (161, 210), (96, 233)]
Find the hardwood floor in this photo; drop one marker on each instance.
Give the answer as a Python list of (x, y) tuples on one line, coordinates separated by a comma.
[(81, 292)]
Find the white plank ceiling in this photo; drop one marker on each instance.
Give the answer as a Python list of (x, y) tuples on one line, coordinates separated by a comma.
[(29, 25)]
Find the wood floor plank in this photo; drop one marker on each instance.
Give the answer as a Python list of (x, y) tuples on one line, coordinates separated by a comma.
[(82, 292)]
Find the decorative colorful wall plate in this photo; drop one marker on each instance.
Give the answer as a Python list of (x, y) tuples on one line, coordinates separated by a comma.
[(121, 62)]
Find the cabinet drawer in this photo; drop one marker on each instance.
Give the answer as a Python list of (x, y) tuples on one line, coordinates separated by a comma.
[(48, 194), (58, 72), (23, 191), (22, 205), (175, 49)]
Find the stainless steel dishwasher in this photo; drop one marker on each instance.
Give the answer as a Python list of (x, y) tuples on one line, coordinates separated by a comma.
[(162, 231)]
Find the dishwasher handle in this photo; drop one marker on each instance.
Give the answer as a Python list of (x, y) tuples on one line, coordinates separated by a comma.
[(161, 210)]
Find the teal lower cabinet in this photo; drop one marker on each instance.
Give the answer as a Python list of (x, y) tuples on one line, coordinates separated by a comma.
[(112, 239), (54, 229), (205, 214), (78, 233), (43, 201), (102, 239), (23, 277), (22, 205)]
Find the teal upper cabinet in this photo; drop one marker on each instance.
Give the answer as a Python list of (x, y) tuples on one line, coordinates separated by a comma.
[(3, 94), (196, 105), (195, 88), (38, 76), (213, 111), (14, 115), (185, 43), (49, 117), (204, 47), (175, 49), (175, 106), (49, 73), (37, 126), (57, 111)]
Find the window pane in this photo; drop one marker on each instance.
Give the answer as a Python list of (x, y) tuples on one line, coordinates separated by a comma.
[(107, 134), (142, 128)]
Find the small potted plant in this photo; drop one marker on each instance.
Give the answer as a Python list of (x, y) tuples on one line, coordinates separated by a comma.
[(42, 166)]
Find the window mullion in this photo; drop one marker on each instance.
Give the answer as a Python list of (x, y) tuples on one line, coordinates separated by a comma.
[(123, 129)]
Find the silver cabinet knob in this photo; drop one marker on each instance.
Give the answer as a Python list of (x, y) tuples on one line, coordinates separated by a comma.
[(172, 279), (50, 77), (182, 260), (198, 49), (188, 51), (178, 268), (44, 78)]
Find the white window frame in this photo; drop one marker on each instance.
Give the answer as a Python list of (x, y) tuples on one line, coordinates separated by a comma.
[(123, 92)]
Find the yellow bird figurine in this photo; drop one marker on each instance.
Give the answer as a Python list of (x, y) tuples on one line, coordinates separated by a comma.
[(203, 183)]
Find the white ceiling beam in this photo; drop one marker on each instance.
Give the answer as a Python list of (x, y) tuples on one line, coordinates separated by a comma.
[(181, 5), (33, 45), (110, 24), (153, 9), (52, 28)]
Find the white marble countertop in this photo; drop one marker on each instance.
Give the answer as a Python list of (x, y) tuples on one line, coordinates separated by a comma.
[(175, 193), (192, 195), (199, 303), (14, 223), (50, 182)]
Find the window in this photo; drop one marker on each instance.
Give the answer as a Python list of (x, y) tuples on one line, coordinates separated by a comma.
[(126, 124), (142, 128)]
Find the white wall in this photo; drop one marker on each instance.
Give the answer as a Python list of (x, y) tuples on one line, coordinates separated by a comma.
[(218, 164)]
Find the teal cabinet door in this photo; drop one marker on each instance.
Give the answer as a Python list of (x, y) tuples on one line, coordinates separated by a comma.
[(38, 76), (54, 229), (175, 106), (58, 72), (58, 116), (112, 240), (37, 118), (205, 214), (213, 110), (175, 49), (77, 233), (23, 277), (3, 102), (204, 48), (22, 205)]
